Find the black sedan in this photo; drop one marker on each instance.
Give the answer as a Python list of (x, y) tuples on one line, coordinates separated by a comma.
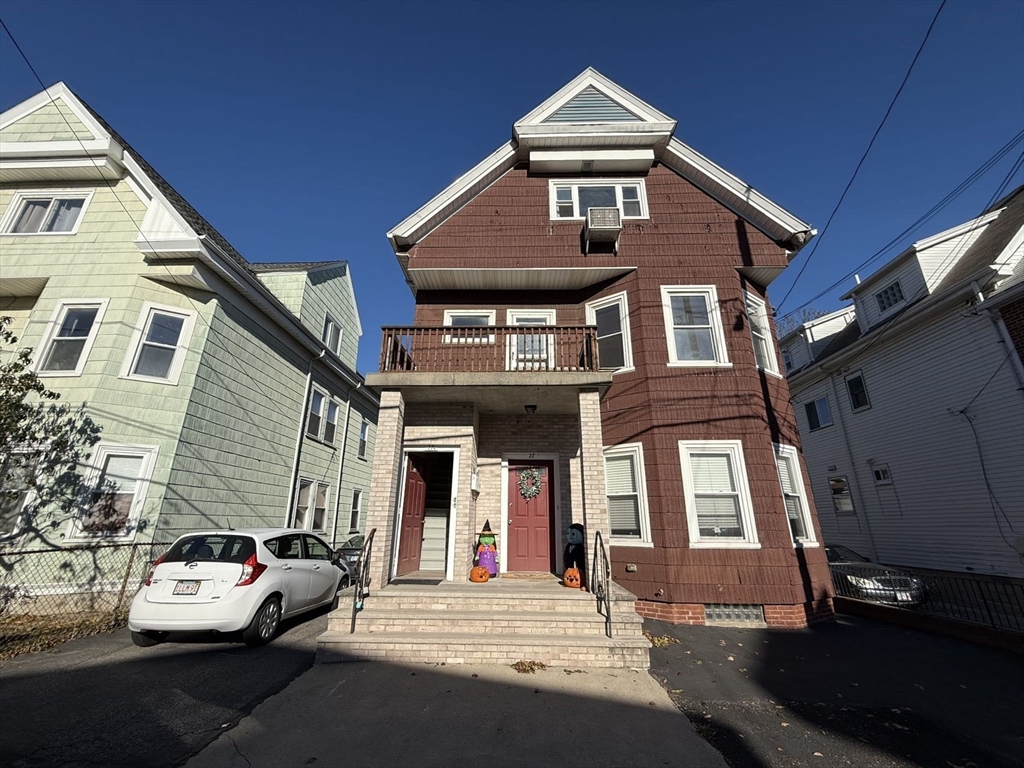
[(855, 576)]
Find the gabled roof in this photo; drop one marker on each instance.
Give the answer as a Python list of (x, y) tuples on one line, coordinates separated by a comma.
[(293, 266), (593, 113)]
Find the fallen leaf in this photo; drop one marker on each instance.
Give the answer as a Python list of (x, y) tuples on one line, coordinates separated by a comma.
[(817, 754), (730, 658), (785, 725)]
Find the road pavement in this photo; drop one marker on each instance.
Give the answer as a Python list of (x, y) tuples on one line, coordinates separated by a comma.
[(858, 693), (101, 701)]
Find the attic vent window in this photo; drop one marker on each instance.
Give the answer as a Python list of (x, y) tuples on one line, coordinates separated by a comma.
[(889, 296), (572, 199)]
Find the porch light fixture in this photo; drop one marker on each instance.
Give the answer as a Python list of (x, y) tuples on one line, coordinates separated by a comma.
[(531, 409)]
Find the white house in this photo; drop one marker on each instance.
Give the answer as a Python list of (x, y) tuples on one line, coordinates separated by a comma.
[(910, 403)]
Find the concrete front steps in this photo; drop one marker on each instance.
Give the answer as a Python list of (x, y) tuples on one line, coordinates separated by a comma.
[(494, 623)]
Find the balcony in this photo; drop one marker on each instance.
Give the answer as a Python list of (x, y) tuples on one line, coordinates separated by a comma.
[(500, 368)]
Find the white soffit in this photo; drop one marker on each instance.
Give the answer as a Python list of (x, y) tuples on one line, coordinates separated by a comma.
[(537, 279), (601, 160)]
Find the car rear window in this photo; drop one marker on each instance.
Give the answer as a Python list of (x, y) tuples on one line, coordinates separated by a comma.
[(225, 548)]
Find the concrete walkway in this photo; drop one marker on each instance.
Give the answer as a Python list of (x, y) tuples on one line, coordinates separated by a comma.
[(378, 714)]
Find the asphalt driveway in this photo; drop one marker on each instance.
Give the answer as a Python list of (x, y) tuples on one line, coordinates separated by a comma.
[(100, 701)]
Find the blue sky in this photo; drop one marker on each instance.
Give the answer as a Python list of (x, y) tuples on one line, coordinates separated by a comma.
[(304, 131)]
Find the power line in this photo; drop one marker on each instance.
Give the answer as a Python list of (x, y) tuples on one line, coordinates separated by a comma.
[(864, 157), (962, 187)]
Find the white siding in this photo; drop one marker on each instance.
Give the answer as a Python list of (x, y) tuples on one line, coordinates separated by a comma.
[(938, 512), (820, 333), (911, 282), (799, 353), (936, 261)]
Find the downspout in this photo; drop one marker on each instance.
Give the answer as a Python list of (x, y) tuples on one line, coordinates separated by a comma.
[(341, 465), (298, 439), (853, 466), (1004, 338)]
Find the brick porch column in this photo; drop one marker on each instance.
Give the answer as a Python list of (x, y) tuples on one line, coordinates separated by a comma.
[(595, 505), (387, 471)]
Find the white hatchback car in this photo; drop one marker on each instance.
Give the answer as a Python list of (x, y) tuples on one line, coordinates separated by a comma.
[(227, 581)]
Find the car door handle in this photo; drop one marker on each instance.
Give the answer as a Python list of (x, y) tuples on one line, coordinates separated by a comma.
[(286, 567), (316, 567)]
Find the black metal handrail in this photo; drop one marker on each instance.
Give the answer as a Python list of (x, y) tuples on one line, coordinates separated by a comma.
[(362, 585), (601, 582)]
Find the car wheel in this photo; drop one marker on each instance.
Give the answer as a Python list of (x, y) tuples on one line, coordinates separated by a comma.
[(264, 624), (345, 582), (148, 639)]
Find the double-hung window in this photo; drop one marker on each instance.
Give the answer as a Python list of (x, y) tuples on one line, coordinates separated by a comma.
[(626, 489), (357, 508), (17, 480), (315, 416), (45, 213), (760, 334), (70, 336), (572, 199), (118, 482), (719, 511), (331, 423), (842, 497), (858, 392), (364, 436), (159, 344), (693, 325), (819, 414), (794, 496), (310, 511), (614, 346), (332, 335)]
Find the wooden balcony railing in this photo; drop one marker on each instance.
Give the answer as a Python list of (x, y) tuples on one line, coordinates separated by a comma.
[(489, 349)]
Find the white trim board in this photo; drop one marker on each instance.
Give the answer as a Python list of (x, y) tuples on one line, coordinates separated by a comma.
[(396, 538)]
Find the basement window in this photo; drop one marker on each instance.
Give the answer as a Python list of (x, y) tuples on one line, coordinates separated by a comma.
[(727, 615)]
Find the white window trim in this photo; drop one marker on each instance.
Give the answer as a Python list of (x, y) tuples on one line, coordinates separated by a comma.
[(322, 413), (324, 422), (329, 318), (294, 521), (888, 472), (814, 402), (576, 183), (51, 331), (180, 352), (451, 313), (18, 202), (735, 450), (710, 294), (627, 337), (29, 497), (364, 442), (895, 305), (636, 450), (849, 395), (312, 507), (357, 507), (757, 304), (791, 452), (512, 315), (98, 459)]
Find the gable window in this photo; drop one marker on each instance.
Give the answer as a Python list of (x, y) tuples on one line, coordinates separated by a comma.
[(469, 321), (818, 413), (764, 349), (626, 488), (45, 213), (119, 480), (881, 474), (889, 296), (614, 346), (793, 494), (364, 434), (857, 391), (159, 344), (719, 512), (331, 422), (314, 418), (693, 325), (357, 505), (572, 199), (332, 335), (842, 498), (70, 337)]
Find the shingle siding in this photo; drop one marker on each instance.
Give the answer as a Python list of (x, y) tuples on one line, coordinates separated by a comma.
[(54, 122)]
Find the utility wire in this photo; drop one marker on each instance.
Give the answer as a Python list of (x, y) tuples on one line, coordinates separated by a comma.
[(962, 187), (819, 238)]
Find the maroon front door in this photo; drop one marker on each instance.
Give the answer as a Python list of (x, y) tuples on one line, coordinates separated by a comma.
[(410, 545), (531, 541)]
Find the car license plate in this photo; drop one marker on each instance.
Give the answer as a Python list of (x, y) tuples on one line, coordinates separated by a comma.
[(903, 596), (186, 588)]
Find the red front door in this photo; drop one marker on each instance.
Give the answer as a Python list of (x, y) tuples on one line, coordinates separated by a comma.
[(531, 541), (413, 514)]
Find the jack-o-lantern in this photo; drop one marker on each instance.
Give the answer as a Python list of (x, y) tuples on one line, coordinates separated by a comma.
[(479, 575), (571, 578)]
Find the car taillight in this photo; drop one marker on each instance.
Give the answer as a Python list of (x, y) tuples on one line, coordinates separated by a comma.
[(251, 570), (149, 576)]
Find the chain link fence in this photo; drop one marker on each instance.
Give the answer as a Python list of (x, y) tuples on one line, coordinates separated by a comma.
[(53, 594)]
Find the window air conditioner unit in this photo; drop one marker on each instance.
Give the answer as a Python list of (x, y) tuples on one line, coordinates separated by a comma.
[(603, 226)]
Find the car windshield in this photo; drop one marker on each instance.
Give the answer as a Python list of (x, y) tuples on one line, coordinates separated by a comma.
[(222, 547), (356, 542), (837, 553)]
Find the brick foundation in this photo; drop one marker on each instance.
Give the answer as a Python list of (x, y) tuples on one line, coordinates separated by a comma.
[(775, 616)]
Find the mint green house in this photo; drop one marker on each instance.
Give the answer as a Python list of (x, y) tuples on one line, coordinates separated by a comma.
[(226, 390)]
